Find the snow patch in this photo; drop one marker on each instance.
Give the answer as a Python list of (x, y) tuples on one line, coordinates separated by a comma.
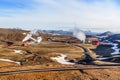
[(103, 58), (8, 60), (61, 59), (115, 48), (18, 51)]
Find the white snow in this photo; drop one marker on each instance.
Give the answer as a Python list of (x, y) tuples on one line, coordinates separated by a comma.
[(8, 60), (61, 59), (104, 58), (18, 51), (115, 48)]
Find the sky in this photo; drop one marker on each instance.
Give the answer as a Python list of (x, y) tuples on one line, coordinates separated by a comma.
[(96, 15)]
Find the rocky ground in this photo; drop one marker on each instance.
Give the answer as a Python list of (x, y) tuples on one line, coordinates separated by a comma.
[(103, 50)]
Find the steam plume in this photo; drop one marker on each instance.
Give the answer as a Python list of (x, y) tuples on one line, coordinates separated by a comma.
[(79, 34)]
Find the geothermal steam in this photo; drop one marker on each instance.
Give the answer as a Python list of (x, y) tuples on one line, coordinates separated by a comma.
[(29, 36), (80, 35)]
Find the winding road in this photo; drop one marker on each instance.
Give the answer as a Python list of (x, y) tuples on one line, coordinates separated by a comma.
[(75, 67)]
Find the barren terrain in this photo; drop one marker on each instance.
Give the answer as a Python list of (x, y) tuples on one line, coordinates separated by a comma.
[(39, 56)]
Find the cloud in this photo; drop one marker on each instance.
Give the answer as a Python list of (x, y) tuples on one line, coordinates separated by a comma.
[(63, 13)]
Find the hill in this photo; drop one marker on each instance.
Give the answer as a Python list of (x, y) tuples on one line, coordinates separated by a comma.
[(107, 33), (114, 37)]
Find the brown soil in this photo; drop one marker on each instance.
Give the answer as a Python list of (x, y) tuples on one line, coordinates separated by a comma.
[(6, 64), (96, 74)]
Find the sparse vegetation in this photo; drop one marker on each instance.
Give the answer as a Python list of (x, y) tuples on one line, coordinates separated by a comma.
[(44, 51), (9, 34)]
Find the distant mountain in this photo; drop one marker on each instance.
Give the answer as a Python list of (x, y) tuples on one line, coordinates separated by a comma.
[(90, 33), (66, 32), (114, 37), (57, 32), (108, 33)]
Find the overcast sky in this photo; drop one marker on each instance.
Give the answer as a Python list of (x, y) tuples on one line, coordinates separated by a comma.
[(60, 14)]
